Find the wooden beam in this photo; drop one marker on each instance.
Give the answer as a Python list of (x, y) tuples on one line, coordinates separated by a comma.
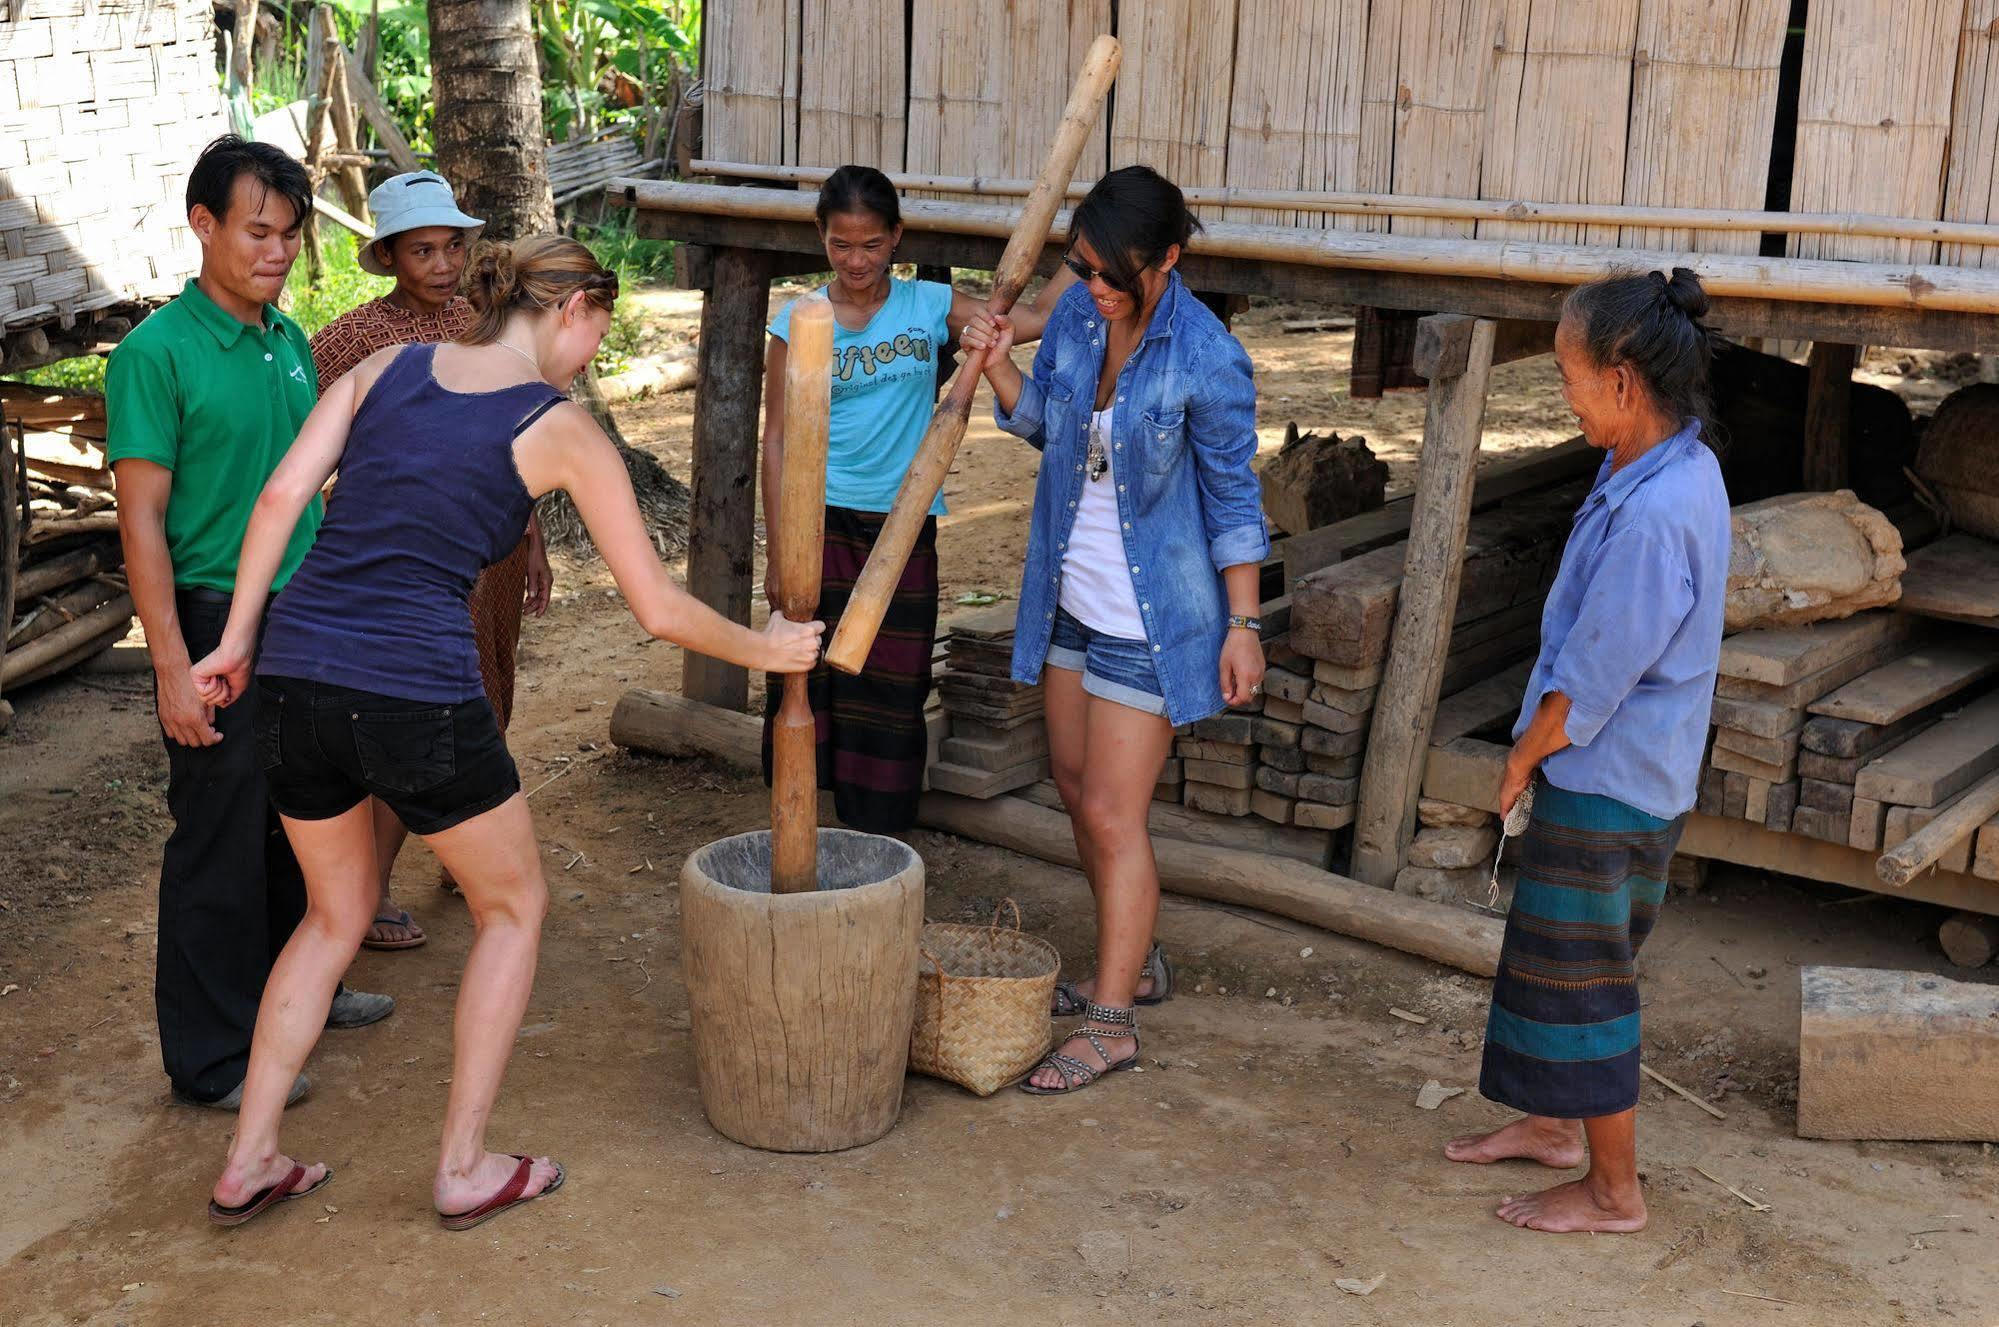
[(353, 183), (1737, 316), (694, 265), (1399, 741), (1436, 931), (363, 94), (721, 519), (1828, 405), (333, 212), (1443, 343)]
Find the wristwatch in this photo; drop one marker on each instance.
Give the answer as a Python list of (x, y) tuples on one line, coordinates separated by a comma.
[(1249, 623)]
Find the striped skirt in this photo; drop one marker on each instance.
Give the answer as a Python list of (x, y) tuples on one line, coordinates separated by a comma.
[(1562, 1037), (873, 744)]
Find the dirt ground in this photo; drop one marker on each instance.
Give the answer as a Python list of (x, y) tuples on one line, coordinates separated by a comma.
[(1270, 1149)]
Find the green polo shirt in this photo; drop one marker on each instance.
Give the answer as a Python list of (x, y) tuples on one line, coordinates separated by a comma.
[(217, 403)]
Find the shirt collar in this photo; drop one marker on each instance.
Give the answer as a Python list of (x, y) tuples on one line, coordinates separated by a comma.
[(1612, 488), (222, 326)]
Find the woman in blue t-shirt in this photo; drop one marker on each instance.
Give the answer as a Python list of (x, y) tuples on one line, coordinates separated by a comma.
[(889, 338)]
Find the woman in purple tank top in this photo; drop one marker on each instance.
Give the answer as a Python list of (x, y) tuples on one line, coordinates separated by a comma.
[(369, 680)]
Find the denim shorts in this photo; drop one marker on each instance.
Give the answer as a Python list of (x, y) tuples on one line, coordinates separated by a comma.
[(325, 748), (1113, 668)]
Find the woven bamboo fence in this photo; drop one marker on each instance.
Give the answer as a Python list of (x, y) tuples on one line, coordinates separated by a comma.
[(103, 106), (1649, 103)]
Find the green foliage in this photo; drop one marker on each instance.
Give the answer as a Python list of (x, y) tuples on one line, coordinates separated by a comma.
[(635, 258), (84, 374), (402, 65), (345, 285), (584, 43)]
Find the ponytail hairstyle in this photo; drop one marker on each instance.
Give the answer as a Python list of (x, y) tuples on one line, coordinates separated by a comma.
[(535, 272), (859, 189), (1651, 322), (1131, 217)]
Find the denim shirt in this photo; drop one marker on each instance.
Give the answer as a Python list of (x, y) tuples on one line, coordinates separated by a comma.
[(1188, 502), (1632, 629)]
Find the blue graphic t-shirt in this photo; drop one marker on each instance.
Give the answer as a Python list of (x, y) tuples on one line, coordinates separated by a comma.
[(884, 391)]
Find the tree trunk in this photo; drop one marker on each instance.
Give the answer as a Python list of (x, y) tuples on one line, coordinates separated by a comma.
[(488, 126)]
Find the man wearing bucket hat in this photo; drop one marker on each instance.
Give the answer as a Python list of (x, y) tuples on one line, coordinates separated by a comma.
[(423, 240)]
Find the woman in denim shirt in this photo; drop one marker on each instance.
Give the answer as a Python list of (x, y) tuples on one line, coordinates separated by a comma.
[(1140, 591)]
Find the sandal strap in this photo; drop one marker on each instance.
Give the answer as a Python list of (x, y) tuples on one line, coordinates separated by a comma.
[(1075, 1073), (1112, 1016)]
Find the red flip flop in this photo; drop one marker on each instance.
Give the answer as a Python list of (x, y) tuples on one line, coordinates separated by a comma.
[(510, 1195), (280, 1192)]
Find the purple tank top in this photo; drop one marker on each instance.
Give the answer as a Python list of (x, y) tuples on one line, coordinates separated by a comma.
[(427, 497)]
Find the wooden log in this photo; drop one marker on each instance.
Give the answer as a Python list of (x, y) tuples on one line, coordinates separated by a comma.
[(663, 724), (876, 584), (62, 607), (1392, 777), (801, 532), (1969, 939), (1188, 825), (1287, 888), (363, 95), (10, 549), (1353, 203), (721, 518), (353, 183), (67, 645), (1902, 822), (1932, 766), (54, 573), (800, 1005), (1828, 402), (1962, 819), (1908, 287)]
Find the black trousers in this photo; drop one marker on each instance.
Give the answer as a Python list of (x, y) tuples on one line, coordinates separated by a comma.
[(230, 890)]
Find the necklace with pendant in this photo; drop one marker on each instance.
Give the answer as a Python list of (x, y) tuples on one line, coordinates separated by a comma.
[(1096, 458)]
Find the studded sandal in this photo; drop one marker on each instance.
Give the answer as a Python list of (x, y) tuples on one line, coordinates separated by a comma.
[(1100, 1021), (1068, 1001)]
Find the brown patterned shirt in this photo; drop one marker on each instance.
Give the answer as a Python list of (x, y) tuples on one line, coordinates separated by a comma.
[(377, 325)]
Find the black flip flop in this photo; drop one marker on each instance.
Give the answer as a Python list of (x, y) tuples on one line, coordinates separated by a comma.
[(400, 917), (280, 1192)]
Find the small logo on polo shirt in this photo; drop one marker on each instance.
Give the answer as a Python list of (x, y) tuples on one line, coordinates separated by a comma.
[(298, 373)]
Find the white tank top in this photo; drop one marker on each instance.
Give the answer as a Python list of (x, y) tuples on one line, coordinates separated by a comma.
[(1096, 580)]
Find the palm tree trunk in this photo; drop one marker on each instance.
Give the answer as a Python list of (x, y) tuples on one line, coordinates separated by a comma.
[(488, 128)]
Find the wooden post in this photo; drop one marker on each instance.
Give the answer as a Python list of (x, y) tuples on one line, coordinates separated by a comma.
[(10, 531), (1398, 745), (721, 518), (353, 184), (798, 534), (320, 70), (242, 37), (1828, 400)]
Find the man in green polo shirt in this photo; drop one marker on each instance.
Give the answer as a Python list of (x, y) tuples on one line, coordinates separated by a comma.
[(203, 399)]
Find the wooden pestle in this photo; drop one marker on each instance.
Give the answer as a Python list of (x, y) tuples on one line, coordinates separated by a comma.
[(794, 784)]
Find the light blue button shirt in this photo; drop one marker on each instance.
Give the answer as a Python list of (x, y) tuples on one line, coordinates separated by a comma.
[(1632, 629), (1188, 503)]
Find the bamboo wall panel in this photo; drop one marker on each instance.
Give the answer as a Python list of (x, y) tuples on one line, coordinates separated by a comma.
[(988, 80), (1295, 114), (1560, 108), (852, 89), (1874, 110), (1443, 70), (1170, 106), (1971, 192), (750, 68), (103, 106), (1703, 109)]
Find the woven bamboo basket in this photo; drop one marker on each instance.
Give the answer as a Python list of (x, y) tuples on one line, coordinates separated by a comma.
[(982, 997)]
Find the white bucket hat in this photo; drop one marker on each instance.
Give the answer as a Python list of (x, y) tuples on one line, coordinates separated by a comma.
[(411, 201)]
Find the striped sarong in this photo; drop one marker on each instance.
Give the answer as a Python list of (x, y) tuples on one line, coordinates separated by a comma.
[(873, 744), (1562, 1037)]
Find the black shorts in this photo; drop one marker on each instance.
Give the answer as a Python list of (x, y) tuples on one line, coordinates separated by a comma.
[(325, 748)]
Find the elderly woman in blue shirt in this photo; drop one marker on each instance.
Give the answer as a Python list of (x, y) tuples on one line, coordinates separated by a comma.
[(1139, 598), (1610, 735)]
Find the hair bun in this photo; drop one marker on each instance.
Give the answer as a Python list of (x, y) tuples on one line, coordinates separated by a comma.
[(1685, 292), (492, 279)]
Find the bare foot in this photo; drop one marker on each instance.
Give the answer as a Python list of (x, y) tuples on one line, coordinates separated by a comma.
[(1577, 1207), (243, 1180), (1556, 1143), (1078, 1047), (455, 1192)]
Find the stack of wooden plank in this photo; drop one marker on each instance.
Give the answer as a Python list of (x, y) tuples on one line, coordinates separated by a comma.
[(998, 739), (62, 593)]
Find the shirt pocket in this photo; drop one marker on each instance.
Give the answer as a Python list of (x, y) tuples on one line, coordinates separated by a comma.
[(1162, 440)]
